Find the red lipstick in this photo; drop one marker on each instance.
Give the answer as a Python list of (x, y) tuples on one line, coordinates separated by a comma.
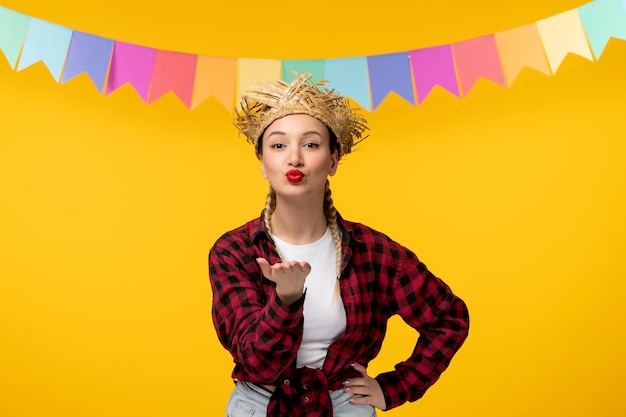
[(294, 175)]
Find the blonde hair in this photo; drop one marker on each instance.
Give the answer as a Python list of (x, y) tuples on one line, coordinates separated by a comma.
[(331, 219)]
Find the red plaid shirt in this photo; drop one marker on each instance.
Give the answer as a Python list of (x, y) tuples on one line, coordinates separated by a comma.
[(379, 278)]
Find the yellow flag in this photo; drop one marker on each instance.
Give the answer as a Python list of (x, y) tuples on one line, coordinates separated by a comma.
[(562, 34)]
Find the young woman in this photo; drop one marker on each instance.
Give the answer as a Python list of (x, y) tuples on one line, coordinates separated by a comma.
[(301, 297)]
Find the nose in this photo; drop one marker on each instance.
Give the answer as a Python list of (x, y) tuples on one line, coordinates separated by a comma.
[(295, 157)]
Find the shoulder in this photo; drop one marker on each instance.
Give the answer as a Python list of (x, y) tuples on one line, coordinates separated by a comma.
[(370, 239), (239, 237)]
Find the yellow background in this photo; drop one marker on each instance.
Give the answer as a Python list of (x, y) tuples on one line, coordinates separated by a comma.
[(108, 206)]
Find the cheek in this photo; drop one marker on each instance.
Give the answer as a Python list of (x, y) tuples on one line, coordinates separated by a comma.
[(269, 167)]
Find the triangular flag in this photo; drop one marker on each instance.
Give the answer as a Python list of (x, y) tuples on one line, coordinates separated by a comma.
[(215, 76), (251, 71), (476, 58), (390, 72), (602, 20), (173, 71), (349, 77), (315, 67), (131, 64), (13, 29), (90, 54), (45, 42), (521, 47), (431, 67), (562, 34)]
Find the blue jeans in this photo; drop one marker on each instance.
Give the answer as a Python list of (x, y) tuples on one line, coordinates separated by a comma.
[(249, 400)]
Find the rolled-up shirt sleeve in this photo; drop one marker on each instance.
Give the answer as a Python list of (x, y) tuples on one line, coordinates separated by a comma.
[(427, 304)]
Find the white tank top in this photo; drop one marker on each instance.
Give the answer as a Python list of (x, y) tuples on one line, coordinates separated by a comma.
[(324, 313)]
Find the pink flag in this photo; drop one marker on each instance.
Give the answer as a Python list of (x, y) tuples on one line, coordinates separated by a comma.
[(431, 67), (131, 64), (173, 71), (477, 58)]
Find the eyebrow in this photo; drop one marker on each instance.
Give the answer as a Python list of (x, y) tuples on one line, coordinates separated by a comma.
[(307, 133)]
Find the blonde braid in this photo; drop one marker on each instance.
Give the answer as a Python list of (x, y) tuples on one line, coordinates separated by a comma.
[(331, 218), (270, 206)]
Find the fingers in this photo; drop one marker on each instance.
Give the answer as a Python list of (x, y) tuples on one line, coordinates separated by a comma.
[(292, 266), (358, 382), (365, 388), (289, 278), (265, 266), (360, 369), (284, 267)]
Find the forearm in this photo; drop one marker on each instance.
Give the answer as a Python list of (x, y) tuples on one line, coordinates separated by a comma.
[(265, 341), (431, 356), (260, 331)]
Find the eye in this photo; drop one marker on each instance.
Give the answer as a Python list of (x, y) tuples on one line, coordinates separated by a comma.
[(277, 146), (311, 145)]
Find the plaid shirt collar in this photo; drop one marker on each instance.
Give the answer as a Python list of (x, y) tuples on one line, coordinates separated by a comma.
[(258, 231)]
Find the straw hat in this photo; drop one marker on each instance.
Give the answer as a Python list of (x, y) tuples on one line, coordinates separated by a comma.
[(265, 102)]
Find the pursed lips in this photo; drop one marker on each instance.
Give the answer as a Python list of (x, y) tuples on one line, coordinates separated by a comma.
[(294, 175)]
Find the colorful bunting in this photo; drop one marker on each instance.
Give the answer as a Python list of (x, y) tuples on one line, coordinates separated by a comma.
[(603, 19), (90, 54), (476, 58), (13, 29), (173, 71), (563, 34), (251, 71), (215, 76), (46, 42), (521, 47), (431, 67), (390, 72), (349, 75), (368, 80), (131, 64), (315, 67)]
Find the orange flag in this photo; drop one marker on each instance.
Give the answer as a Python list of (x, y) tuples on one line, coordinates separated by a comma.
[(215, 76), (521, 47)]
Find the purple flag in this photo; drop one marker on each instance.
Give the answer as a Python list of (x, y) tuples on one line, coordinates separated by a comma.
[(431, 67), (390, 72), (90, 54), (131, 64)]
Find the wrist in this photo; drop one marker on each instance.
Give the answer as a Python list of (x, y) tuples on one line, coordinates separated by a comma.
[(288, 299)]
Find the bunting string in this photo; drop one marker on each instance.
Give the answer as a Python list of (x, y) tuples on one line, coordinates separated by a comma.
[(368, 80)]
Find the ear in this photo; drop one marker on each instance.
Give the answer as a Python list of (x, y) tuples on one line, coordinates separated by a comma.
[(262, 167), (334, 163)]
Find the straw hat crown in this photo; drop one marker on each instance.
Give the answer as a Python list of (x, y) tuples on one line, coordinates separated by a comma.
[(265, 102)]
